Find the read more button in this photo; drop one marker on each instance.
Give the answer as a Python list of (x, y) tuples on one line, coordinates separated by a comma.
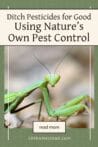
[(49, 127)]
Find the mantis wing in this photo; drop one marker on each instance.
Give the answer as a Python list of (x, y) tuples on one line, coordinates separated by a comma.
[(9, 98)]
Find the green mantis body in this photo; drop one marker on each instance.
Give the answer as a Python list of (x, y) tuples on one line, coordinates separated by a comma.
[(75, 105)]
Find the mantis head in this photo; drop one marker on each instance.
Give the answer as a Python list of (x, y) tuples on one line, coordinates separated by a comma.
[(52, 79)]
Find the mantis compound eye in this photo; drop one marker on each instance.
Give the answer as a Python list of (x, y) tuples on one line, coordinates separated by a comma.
[(52, 79)]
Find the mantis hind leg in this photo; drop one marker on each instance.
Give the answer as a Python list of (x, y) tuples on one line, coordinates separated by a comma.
[(69, 111), (74, 101)]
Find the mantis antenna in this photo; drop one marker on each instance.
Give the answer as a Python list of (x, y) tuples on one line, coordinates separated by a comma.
[(60, 62), (43, 65)]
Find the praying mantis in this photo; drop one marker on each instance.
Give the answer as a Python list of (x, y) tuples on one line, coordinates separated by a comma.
[(12, 100)]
